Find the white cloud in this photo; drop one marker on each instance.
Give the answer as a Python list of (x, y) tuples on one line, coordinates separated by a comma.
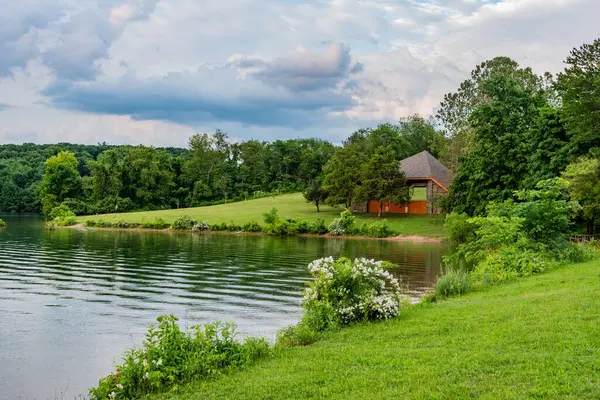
[(106, 57)]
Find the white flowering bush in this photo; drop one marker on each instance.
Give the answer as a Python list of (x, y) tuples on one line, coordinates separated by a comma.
[(344, 225), (346, 291), (170, 357), (201, 226)]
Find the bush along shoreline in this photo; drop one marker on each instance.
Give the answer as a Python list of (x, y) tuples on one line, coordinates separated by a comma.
[(343, 292), (520, 237), (2, 223), (272, 225)]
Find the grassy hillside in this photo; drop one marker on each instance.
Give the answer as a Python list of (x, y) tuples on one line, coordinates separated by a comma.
[(537, 338), (289, 206)]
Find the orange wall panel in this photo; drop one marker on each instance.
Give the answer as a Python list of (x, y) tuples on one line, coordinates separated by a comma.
[(414, 207)]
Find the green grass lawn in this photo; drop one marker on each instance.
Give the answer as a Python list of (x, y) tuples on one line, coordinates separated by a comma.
[(289, 206), (537, 338)]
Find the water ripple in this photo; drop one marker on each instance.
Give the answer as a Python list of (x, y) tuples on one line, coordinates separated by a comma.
[(76, 300)]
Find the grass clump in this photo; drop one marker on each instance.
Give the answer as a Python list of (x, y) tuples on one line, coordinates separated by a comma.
[(2, 223), (170, 357), (451, 283)]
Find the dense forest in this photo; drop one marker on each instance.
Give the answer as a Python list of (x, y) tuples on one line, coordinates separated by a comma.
[(504, 129)]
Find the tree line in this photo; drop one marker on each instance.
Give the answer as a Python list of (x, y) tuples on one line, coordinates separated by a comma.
[(507, 128), (504, 129)]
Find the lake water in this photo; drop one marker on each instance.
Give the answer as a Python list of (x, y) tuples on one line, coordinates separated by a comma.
[(72, 301)]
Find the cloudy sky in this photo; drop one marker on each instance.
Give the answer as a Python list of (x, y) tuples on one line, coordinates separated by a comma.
[(156, 71)]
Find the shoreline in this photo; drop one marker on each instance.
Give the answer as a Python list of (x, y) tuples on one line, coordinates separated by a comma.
[(400, 238)]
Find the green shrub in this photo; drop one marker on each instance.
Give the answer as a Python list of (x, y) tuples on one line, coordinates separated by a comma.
[(303, 227), (344, 291), (232, 227), (61, 211), (2, 223), (184, 223), (459, 229), (281, 228), (157, 223), (271, 216), (220, 227), (452, 282), (252, 226), (91, 223), (123, 225), (65, 221), (318, 227), (376, 229), (170, 357)]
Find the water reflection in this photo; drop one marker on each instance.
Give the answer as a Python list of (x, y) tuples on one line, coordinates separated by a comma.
[(75, 300)]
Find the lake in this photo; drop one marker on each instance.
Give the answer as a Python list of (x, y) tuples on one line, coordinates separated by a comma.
[(72, 301)]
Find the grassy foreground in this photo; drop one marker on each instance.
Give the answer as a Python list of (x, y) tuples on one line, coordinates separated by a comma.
[(536, 338), (288, 206)]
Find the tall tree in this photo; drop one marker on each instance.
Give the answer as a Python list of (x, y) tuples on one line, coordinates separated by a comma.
[(315, 193), (583, 176), (498, 163), (61, 180), (382, 180), (420, 134), (457, 107), (342, 175), (579, 88)]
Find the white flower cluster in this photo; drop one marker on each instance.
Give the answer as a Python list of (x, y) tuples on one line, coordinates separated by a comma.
[(358, 289), (201, 226), (321, 266)]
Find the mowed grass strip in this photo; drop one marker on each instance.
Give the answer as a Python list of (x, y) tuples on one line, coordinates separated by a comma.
[(537, 338), (288, 206)]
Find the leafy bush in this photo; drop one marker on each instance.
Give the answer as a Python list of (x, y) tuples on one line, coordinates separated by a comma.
[(377, 229), (201, 226), (107, 224), (271, 216), (65, 221), (459, 229), (318, 227), (344, 225), (303, 227), (508, 263), (345, 291), (220, 227), (2, 223), (452, 282), (184, 223), (61, 211), (79, 207), (157, 223), (281, 228), (232, 227), (545, 211), (252, 226), (170, 357)]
